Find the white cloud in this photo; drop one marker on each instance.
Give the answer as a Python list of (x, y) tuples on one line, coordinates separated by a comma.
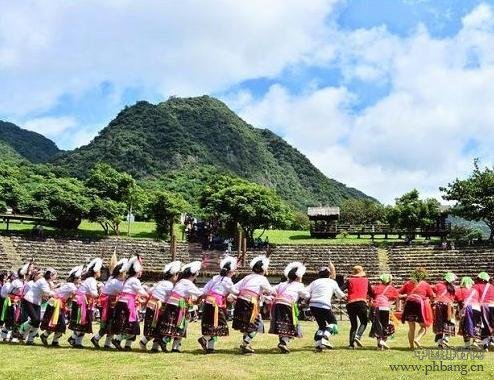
[(183, 48), (50, 126), (440, 99)]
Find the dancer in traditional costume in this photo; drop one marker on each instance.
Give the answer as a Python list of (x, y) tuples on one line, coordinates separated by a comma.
[(31, 304), (12, 304), (247, 315), (155, 307), (81, 312), (383, 295), (4, 293), (470, 315), (321, 292), (216, 291), (284, 309), (126, 321), (106, 304), (54, 318), (417, 308), (359, 290), (444, 315), (486, 293), (173, 324)]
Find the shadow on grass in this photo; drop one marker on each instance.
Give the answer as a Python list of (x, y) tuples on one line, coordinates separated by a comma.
[(302, 237)]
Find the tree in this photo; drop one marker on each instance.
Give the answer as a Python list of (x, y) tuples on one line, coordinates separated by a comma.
[(250, 205), (165, 208), (113, 193), (410, 212), (362, 211), (474, 196), (63, 200)]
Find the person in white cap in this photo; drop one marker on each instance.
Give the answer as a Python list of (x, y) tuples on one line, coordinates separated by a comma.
[(106, 304), (31, 304), (12, 305), (284, 311), (173, 325), (82, 305), (247, 315), (158, 295), (321, 292), (216, 291), (126, 321), (54, 316)]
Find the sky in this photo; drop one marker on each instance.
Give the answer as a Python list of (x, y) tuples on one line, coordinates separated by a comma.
[(382, 95)]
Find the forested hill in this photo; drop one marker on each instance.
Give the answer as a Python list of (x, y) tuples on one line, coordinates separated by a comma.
[(30, 145), (151, 141)]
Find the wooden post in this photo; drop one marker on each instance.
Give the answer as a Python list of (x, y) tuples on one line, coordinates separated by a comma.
[(173, 246), (239, 242), (244, 250)]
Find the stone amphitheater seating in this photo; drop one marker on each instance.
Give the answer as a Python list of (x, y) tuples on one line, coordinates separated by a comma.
[(465, 261), (344, 258), (5, 263), (64, 254)]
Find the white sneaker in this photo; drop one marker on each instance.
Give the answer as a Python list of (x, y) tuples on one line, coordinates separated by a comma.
[(14, 340), (383, 344), (326, 343)]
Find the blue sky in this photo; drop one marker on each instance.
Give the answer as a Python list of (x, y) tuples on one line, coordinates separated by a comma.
[(383, 95)]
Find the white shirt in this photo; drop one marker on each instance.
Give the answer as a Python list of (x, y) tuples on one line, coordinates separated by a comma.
[(185, 289), (321, 291), (219, 284), (37, 290), (112, 287), (133, 286), (5, 290), (162, 290), (16, 287), (89, 287), (66, 290), (255, 283), (291, 291)]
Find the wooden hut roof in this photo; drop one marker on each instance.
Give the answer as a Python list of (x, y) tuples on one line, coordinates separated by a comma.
[(323, 211)]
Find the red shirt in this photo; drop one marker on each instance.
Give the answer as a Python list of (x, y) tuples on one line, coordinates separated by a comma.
[(358, 288), (389, 292), (442, 293), (467, 296), (489, 294), (423, 289)]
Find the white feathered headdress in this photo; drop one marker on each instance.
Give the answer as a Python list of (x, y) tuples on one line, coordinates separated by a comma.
[(76, 271), (193, 267), (173, 267), (121, 262), (133, 262), (300, 269), (25, 268), (96, 264), (263, 259), (229, 263)]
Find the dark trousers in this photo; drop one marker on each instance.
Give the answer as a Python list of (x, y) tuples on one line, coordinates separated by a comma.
[(324, 318), (358, 313), (33, 312)]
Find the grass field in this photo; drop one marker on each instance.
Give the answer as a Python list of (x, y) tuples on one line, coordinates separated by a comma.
[(147, 230), (227, 363)]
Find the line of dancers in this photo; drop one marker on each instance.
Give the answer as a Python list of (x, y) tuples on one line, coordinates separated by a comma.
[(70, 304)]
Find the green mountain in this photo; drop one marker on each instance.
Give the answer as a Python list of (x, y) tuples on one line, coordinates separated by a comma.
[(30, 145), (8, 154), (168, 139)]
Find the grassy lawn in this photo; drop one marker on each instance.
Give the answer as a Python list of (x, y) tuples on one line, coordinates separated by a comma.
[(92, 229), (302, 363), (147, 230)]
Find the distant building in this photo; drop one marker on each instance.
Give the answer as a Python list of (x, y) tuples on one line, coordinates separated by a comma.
[(323, 221)]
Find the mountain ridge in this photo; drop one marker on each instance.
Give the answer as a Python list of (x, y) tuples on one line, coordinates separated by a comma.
[(150, 141)]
